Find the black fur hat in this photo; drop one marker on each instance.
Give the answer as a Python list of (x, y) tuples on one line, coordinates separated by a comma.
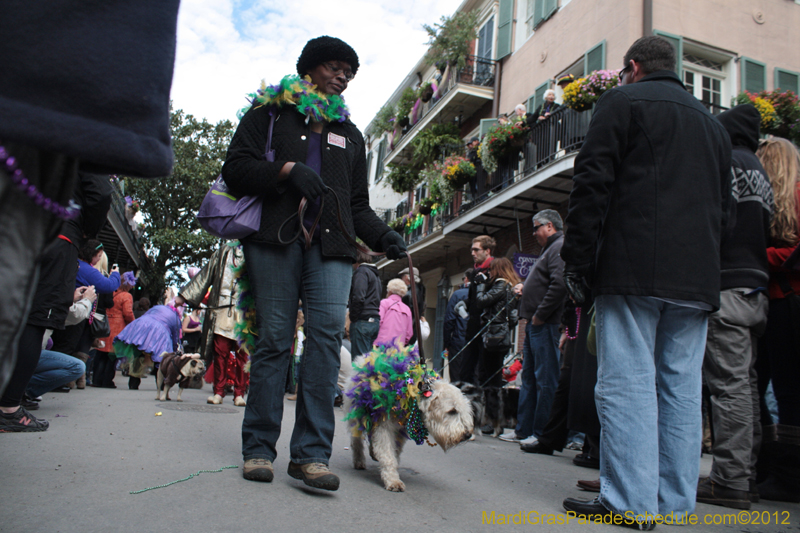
[(321, 49)]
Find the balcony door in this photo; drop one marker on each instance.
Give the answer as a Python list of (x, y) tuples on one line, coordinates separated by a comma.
[(484, 53), (706, 78)]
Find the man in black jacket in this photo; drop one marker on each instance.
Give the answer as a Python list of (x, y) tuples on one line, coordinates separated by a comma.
[(645, 220), (365, 303), (541, 305), (482, 248), (742, 317)]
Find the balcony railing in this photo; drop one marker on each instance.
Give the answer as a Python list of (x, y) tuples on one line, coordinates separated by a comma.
[(477, 71)]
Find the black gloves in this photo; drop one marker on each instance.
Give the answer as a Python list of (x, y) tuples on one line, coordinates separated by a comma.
[(575, 282), (393, 245), (306, 181), (481, 278)]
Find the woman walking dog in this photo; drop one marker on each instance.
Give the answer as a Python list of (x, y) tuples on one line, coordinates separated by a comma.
[(320, 156)]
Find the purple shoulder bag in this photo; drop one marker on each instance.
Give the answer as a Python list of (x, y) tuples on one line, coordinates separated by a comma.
[(225, 216)]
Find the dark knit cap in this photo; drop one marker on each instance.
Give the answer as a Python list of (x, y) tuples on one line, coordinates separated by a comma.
[(321, 49)]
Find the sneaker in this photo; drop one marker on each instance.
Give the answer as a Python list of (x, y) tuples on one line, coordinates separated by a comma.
[(574, 445), (258, 469), (28, 403), (511, 436), (488, 429), (529, 440), (21, 421), (315, 475)]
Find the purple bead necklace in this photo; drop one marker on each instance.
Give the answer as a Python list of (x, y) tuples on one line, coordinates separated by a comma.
[(30, 190)]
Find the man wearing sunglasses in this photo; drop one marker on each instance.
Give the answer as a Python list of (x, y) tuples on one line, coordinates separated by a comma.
[(644, 226)]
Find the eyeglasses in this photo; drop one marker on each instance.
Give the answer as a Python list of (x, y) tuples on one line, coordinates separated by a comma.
[(477, 249), (623, 71), (348, 75)]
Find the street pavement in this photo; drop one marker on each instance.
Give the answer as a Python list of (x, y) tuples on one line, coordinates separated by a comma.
[(103, 443)]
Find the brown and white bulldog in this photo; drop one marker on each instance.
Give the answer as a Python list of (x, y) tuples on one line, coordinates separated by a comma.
[(178, 369)]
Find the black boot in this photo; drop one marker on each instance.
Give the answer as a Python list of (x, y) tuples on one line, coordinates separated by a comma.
[(783, 482)]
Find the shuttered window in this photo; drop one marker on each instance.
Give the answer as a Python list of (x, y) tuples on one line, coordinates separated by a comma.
[(504, 19), (594, 59), (369, 168), (754, 75), (530, 105), (677, 43), (486, 124), (538, 96), (786, 80), (542, 10), (380, 165)]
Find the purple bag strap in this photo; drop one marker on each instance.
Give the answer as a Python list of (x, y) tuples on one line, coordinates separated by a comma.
[(269, 154)]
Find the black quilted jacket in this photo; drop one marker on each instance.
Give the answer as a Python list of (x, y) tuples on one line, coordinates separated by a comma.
[(246, 172)]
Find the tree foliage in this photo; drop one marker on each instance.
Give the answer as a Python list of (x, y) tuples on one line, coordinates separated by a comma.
[(450, 39), (171, 234)]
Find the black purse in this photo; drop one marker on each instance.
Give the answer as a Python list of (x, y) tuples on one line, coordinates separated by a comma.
[(498, 336), (99, 327)]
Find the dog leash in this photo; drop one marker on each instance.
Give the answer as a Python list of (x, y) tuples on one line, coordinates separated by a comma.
[(480, 331), (425, 386)]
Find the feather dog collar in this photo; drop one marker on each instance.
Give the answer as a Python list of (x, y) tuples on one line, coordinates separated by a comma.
[(302, 94), (384, 385)]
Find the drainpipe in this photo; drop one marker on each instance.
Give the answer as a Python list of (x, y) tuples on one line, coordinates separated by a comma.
[(496, 102), (647, 18)]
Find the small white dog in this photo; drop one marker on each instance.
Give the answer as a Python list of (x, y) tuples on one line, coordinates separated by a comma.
[(178, 369), (444, 413)]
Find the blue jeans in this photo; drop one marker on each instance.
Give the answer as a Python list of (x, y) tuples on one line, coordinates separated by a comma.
[(540, 370), (362, 334), (526, 407), (650, 359), (279, 276), (54, 370)]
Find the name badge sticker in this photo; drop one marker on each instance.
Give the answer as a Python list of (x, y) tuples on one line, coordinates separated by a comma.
[(337, 140)]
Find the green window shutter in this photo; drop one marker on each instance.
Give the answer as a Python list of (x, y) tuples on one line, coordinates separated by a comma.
[(594, 59), (381, 155), (530, 105), (754, 75), (677, 43), (550, 7), (538, 96), (538, 12), (369, 168), (786, 80), (504, 19), (486, 124)]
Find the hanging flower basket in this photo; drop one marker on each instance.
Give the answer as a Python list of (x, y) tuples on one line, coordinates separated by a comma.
[(501, 141), (582, 93), (780, 112), (457, 170)]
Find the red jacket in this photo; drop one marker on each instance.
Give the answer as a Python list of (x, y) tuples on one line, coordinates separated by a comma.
[(776, 257)]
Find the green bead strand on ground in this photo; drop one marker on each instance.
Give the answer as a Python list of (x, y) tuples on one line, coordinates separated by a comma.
[(184, 479)]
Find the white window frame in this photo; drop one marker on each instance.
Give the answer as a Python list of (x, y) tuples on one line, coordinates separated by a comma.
[(727, 75)]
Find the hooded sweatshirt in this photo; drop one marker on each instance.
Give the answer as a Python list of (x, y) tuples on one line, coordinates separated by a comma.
[(744, 242)]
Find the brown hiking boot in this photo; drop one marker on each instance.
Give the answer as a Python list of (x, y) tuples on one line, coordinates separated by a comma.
[(258, 469), (315, 475), (716, 494)]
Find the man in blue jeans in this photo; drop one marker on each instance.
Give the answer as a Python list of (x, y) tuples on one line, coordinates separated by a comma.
[(541, 305), (646, 213)]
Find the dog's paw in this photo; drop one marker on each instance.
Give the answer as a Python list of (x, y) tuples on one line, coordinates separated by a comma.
[(395, 486), (359, 465), (178, 400)]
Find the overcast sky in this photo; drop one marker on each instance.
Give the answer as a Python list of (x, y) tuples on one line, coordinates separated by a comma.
[(226, 47)]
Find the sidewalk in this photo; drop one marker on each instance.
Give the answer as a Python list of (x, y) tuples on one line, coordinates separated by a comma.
[(104, 443)]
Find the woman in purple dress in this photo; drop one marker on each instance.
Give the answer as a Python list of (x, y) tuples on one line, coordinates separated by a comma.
[(146, 339)]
